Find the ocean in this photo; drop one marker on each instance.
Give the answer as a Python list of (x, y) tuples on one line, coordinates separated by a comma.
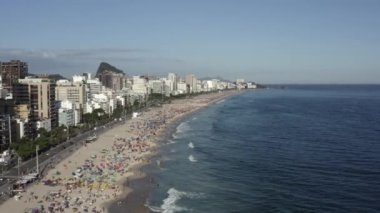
[(297, 149)]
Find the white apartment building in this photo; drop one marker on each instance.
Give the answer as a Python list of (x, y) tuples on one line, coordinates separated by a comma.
[(45, 123), (94, 86), (79, 79), (173, 78), (74, 92), (182, 87), (140, 86), (191, 80), (66, 117), (169, 87), (156, 86), (20, 128), (69, 113), (107, 103)]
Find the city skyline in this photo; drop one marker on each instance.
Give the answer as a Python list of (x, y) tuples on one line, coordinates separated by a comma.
[(262, 41), (29, 102)]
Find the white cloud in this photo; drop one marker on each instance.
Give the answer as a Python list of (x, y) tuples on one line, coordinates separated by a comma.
[(72, 61)]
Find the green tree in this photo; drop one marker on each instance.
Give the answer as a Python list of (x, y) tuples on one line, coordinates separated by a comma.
[(136, 105), (118, 112), (43, 132), (43, 143)]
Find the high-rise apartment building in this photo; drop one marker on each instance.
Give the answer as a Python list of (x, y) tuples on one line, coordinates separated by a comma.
[(156, 86), (173, 78), (140, 85), (5, 130), (39, 94), (112, 80), (94, 87), (191, 80), (22, 109), (12, 71), (5, 122), (73, 92)]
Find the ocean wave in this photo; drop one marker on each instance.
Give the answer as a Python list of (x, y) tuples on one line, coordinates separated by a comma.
[(221, 101), (175, 136), (169, 204), (171, 141), (192, 159), (191, 145), (154, 208), (183, 127)]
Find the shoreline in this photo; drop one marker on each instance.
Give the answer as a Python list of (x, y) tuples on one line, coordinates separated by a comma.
[(140, 186), (110, 170)]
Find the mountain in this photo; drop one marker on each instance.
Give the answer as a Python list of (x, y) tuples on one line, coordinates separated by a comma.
[(54, 77), (106, 66)]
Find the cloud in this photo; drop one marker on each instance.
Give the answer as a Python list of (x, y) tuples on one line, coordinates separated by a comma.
[(119, 54), (62, 54), (73, 61)]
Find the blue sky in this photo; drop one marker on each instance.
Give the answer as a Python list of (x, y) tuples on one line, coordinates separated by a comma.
[(268, 41)]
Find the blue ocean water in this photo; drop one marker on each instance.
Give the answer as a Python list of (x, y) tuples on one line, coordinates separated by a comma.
[(299, 149)]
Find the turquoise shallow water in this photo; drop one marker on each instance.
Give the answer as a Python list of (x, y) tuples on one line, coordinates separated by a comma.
[(300, 149)]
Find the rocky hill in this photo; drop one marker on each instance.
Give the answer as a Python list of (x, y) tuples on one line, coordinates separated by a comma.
[(106, 66)]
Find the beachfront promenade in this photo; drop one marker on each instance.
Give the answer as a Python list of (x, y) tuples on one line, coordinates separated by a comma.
[(48, 158), (92, 175)]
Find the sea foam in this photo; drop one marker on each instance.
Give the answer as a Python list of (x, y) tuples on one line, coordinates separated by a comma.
[(175, 136), (191, 145), (221, 101), (153, 208), (183, 127), (171, 141), (192, 159), (169, 204)]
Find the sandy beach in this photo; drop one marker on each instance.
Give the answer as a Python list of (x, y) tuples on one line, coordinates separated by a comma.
[(93, 176)]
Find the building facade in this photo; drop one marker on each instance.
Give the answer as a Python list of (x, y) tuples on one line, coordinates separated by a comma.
[(173, 78), (39, 94), (74, 92), (112, 80), (66, 117), (140, 85), (156, 86), (12, 71), (5, 122), (191, 80)]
